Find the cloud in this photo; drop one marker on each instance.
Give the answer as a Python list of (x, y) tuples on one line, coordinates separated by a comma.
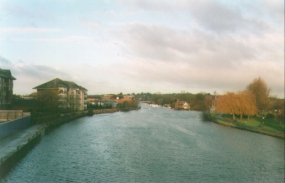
[(30, 75), (15, 9), (218, 17), (273, 9), (92, 24), (27, 30), (35, 12), (196, 58), (147, 5), (174, 77), (215, 16), (69, 39), (4, 60), (149, 45), (74, 39), (194, 47), (39, 71)]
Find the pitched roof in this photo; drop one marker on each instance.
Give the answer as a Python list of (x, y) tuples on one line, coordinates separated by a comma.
[(72, 84), (128, 99), (94, 96), (6, 73), (55, 83)]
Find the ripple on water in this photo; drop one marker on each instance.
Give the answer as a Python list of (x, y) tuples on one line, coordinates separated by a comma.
[(151, 145)]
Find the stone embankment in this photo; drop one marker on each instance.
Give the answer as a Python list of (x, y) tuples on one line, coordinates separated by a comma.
[(15, 146)]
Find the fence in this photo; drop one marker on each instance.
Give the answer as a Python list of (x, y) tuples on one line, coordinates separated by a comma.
[(8, 115), (9, 127)]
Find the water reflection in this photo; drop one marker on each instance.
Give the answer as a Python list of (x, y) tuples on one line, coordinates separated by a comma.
[(151, 145)]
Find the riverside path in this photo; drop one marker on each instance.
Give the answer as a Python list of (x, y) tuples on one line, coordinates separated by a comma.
[(11, 145)]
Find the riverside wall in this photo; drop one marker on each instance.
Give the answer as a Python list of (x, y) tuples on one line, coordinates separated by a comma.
[(11, 159), (10, 127), (27, 142), (8, 115)]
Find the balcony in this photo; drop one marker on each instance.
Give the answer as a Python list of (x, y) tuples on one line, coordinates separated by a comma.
[(62, 94), (62, 101), (72, 97)]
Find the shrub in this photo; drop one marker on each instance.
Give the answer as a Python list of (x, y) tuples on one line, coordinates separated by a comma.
[(207, 116), (270, 116)]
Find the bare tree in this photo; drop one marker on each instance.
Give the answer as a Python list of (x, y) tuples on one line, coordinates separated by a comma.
[(259, 88), (248, 103), (47, 101), (242, 103), (224, 104)]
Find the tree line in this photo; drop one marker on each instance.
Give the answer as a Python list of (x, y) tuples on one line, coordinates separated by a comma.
[(255, 100), (199, 101), (241, 103)]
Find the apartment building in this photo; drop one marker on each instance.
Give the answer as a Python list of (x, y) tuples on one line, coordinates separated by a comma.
[(70, 95), (6, 88)]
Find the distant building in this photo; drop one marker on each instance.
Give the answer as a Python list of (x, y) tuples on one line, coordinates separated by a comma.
[(93, 99), (108, 102), (6, 88), (30, 96), (70, 94), (125, 99), (184, 105), (167, 105), (107, 96)]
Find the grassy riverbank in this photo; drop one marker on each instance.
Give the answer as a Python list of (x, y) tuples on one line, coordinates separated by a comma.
[(258, 125)]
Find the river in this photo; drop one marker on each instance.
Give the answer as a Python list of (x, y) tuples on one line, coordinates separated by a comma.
[(151, 145)]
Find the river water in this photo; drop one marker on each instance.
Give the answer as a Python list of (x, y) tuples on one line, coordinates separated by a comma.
[(151, 145)]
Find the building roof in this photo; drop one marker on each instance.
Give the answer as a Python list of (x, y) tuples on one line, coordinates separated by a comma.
[(126, 98), (55, 83), (94, 96), (181, 103), (6, 73)]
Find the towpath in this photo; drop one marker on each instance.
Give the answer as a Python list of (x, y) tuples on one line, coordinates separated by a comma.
[(9, 144)]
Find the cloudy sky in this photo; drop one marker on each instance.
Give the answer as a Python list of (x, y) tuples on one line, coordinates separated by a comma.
[(144, 45)]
